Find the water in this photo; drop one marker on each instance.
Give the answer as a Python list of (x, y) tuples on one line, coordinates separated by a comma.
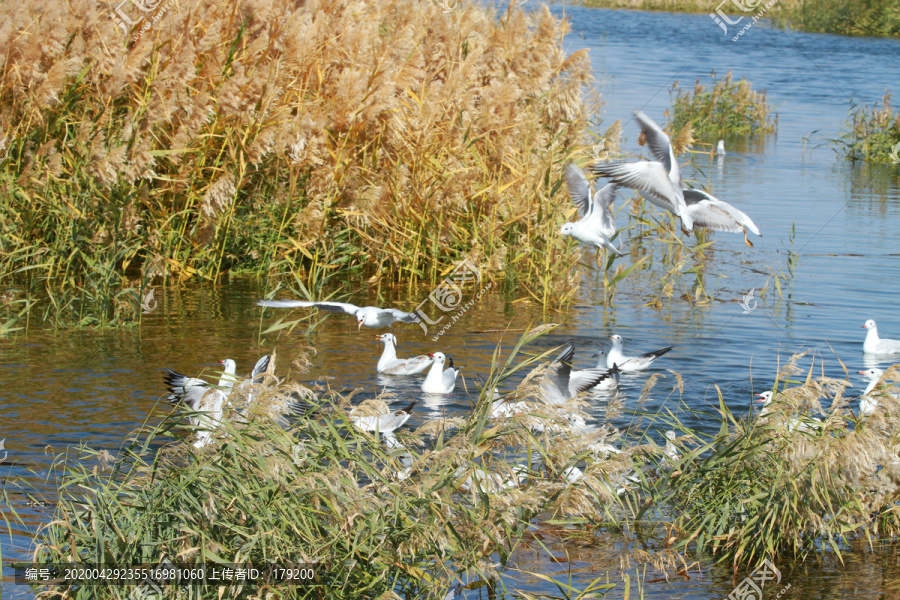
[(94, 387)]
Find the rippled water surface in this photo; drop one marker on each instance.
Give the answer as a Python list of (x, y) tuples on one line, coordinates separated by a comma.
[(94, 387)]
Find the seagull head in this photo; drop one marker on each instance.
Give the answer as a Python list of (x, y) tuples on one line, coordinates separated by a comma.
[(387, 338), (616, 340), (438, 357), (764, 397), (361, 319), (872, 374), (228, 365), (567, 229), (870, 324)]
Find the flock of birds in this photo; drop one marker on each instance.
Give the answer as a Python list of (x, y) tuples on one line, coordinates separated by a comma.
[(658, 180)]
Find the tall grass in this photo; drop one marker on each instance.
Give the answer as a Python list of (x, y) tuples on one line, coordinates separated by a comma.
[(728, 107), (873, 135), (386, 137)]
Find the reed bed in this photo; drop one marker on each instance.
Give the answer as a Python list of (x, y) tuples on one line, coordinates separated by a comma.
[(464, 495), (326, 494), (727, 107), (873, 135), (388, 139)]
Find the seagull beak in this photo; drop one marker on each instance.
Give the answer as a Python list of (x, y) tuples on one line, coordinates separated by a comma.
[(861, 372), (221, 362), (430, 355), (359, 325), (863, 326)]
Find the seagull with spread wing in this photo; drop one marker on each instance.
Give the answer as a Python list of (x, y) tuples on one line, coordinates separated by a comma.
[(370, 316)]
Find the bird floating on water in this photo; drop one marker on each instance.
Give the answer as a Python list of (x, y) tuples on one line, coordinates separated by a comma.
[(875, 345), (440, 380), (628, 364), (389, 364)]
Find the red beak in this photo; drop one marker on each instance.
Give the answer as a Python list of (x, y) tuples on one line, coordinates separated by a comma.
[(358, 325), (221, 362), (430, 355), (863, 326), (861, 372)]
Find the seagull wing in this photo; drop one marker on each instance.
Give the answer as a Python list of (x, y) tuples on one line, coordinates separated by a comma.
[(338, 307), (185, 389), (716, 214), (603, 201), (402, 316), (579, 189), (657, 140), (580, 381)]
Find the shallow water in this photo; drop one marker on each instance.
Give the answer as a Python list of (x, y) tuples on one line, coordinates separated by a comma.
[(94, 387)]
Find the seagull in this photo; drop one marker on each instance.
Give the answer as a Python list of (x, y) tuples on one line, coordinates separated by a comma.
[(720, 148), (671, 451), (876, 345), (384, 424), (710, 212), (596, 226), (659, 180), (201, 398), (391, 365), (370, 316), (803, 424), (440, 380), (629, 364), (228, 380), (867, 403), (558, 383)]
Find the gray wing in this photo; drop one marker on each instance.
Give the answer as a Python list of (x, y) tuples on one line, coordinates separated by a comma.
[(717, 208), (646, 176), (579, 189), (580, 381), (185, 389), (339, 307), (261, 365), (402, 316), (708, 212), (560, 375), (657, 140), (603, 201)]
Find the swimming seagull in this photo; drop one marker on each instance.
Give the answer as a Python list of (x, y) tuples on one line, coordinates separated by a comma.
[(710, 212), (391, 365), (876, 345), (628, 364), (720, 148), (440, 380), (558, 385), (385, 424), (370, 316), (803, 424), (868, 403), (659, 181), (596, 226)]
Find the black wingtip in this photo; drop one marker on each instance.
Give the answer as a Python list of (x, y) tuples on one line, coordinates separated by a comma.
[(568, 353), (409, 408), (658, 353)]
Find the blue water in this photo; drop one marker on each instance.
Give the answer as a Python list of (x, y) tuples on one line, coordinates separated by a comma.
[(94, 387)]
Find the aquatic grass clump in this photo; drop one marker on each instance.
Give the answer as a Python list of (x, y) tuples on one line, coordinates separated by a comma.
[(728, 107), (874, 134), (451, 503), (876, 18), (787, 483), (217, 141)]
